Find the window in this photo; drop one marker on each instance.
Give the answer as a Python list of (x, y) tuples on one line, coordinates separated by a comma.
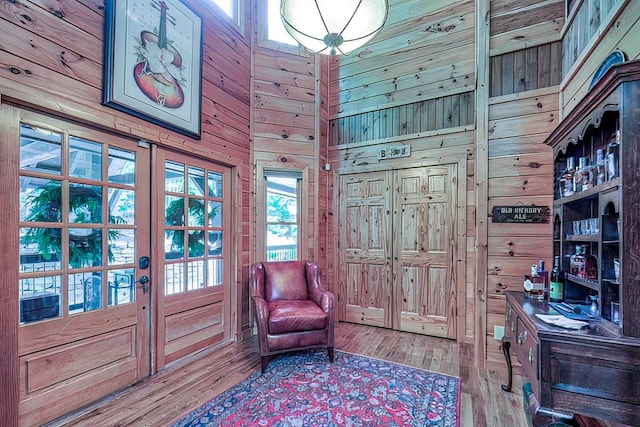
[(231, 8), (275, 29), (193, 228), (271, 31), (283, 212)]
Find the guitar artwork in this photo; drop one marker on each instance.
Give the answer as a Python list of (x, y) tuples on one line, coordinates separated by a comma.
[(158, 73)]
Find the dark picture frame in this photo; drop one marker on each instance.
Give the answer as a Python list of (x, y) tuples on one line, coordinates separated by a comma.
[(153, 62)]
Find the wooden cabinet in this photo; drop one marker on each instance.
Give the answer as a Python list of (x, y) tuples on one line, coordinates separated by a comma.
[(594, 371), (600, 215)]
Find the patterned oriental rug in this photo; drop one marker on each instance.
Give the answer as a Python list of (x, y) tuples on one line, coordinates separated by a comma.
[(304, 389)]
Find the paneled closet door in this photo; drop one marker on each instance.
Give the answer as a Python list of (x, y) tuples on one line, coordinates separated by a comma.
[(424, 250), (397, 249), (365, 267)]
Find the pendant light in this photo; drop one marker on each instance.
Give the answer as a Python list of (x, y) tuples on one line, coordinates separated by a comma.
[(333, 26)]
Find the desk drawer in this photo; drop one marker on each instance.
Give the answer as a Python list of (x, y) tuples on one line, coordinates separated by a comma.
[(527, 348)]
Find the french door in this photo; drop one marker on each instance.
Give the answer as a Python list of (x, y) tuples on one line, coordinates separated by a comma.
[(193, 252), (397, 249), (83, 264)]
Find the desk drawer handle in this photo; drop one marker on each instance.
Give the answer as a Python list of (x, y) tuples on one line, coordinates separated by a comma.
[(522, 338), (531, 355)]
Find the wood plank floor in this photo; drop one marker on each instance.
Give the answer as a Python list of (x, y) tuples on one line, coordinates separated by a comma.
[(159, 400)]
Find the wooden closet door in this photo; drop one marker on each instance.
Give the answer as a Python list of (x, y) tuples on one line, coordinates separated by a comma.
[(424, 238), (364, 285)]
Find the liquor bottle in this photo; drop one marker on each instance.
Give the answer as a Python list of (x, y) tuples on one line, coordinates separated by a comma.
[(601, 167), (534, 284), (566, 180), (556, 285), (613, 152), (581, 180), (577, 262), (544, 274)]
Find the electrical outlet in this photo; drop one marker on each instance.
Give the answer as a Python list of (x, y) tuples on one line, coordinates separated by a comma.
[(498, 332)]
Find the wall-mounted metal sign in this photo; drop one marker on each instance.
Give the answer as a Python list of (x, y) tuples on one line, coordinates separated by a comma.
[(385, 153), (521, 214)]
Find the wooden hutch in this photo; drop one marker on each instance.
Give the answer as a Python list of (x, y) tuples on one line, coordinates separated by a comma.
[(594, 371)]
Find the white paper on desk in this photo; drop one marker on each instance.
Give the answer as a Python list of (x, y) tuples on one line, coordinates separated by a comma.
[(563, 322)]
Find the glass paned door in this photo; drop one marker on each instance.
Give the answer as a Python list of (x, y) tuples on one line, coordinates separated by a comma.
[(194, 220), (84, 214)]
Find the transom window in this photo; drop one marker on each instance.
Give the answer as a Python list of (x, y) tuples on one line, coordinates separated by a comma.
[(231, 9)]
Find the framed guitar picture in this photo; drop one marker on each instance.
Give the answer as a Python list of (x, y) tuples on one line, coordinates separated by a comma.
[(153, 62)]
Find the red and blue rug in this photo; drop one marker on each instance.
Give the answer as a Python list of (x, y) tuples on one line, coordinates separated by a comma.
[(304, 389)]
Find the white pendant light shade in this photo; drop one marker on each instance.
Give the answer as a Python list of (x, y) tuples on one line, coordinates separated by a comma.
[(333, 26)]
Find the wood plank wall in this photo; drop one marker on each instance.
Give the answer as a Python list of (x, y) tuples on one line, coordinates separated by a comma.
[(289, 129), (525, 74), (51, 56), (413, 84)]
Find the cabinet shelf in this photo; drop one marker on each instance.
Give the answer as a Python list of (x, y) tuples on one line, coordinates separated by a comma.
[(611, 242), (582, 281), (583, 238), (608, 186)]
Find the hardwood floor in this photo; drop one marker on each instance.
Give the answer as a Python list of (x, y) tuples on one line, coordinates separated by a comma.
[(159, 400)]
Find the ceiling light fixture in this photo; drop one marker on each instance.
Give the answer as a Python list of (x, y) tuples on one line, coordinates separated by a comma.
[(333, 26)]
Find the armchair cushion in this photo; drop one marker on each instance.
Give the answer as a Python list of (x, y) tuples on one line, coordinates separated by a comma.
[(295, 315), (285, 281)]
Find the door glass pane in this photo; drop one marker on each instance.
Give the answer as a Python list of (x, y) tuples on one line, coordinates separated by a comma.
[(122, 166), (195, 275), (85, 247), (196, 243), (121, 246), (173, 278), (85, 159), (174, 244), (214, 271), (40, 249), (85, 204), (196, 212), (122, 204), (174, 177), (174, 210), (215, 184), (215, 214), (40, 298), (40, 150), (40, 200), (196, 181), (121, 287), (215, 243), (85, 292)]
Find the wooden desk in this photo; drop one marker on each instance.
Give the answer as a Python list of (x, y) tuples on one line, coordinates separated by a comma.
[(593, 372)]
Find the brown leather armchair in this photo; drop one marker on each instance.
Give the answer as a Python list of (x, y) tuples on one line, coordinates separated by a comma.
[(293, 311)]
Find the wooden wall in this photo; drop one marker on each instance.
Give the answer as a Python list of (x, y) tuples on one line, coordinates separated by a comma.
[(525, 73), (51, 56), (413, 84), (289, 131)]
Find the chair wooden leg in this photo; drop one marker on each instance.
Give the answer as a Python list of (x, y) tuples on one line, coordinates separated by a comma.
[(264, 361), (330, 351)]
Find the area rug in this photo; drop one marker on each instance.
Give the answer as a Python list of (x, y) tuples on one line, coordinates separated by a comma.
[(304, 389)]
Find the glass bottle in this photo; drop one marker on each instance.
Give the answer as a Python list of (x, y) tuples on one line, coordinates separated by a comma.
[(577, 262), (566, 180), (556, 286), (613, 152), (544, 274), (601, 167), (581, 176)]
